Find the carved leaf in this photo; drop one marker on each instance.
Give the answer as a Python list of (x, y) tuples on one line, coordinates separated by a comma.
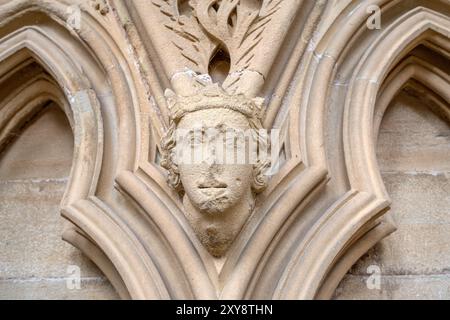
[(236, 25), (247, 41), (192, 42)]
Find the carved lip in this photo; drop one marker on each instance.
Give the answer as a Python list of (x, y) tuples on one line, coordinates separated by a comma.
[(214, 193), (213, 188)]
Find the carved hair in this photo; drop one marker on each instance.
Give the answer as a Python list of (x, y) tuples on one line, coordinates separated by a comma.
[(168, 161)]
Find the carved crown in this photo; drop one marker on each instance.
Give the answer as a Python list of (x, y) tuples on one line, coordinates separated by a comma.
[(212, 96)]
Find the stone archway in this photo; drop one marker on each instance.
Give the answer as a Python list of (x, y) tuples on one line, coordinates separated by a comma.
[(311, 69), (413, 152)]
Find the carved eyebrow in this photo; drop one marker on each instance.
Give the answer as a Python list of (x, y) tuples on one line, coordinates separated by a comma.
[(193, 130), (221, 126)]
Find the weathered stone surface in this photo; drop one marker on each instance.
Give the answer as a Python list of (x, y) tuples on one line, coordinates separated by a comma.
[(395, 288), (30, 232), (413, 249), (34, 260), (43, 150), (128, 74), (421, 210), (56, 289), (413, 139), (419, 197), (414, 152)]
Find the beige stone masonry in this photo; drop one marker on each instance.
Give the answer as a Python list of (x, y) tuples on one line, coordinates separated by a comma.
[(129, 74)]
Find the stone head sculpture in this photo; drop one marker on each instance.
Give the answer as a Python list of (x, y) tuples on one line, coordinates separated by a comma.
[(208, 133)]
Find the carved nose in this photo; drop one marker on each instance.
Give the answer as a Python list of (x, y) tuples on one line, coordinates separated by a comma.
[(211, 159)]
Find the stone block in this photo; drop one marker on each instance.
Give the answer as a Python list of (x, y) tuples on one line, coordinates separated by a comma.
[(43, 149), (30, 233), (395, 288), (34, 260), (412, 138), (56, 289)]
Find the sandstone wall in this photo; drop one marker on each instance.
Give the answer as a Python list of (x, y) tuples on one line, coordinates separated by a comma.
[(34, 260), (414, 156), (413, 152)]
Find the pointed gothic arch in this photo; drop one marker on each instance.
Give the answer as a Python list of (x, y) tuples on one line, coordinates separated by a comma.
[(320, 213), (420, 25)]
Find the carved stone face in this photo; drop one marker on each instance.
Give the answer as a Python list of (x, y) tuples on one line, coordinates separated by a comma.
[(212, 184)]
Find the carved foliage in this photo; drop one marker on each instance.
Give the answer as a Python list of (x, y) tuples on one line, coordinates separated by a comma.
[(235, 26), (192, 42)]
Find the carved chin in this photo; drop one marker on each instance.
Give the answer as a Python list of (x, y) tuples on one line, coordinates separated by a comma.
[(216, 241), (214, 205)]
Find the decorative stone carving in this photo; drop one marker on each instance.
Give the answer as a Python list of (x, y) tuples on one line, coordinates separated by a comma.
[(231, 30), (310, 70), (101, 6), (218, 196)]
